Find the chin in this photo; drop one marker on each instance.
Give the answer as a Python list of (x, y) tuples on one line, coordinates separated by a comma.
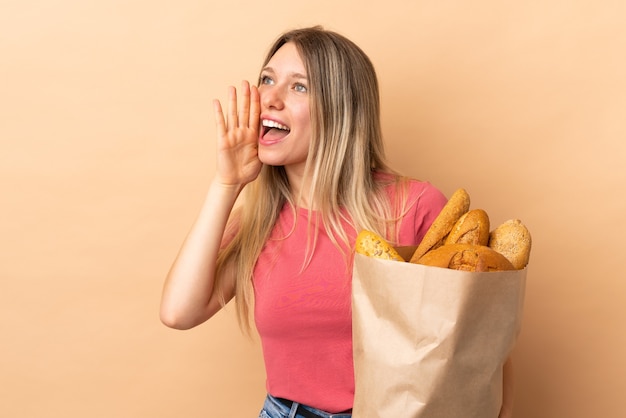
[(271, 159), (275, 157)]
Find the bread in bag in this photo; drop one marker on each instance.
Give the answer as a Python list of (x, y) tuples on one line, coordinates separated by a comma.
[(471, 228), (466, 257), (457, 205), (372, 245), (513, 240)]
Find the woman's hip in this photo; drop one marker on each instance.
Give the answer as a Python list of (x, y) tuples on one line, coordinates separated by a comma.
[(283, 408)]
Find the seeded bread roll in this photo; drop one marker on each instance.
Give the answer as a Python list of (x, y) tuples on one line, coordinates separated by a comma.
[(471, 228), (372, 245), (457, 205), (512, 239), (466, 257)]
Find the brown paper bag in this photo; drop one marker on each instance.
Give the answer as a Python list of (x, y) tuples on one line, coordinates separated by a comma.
[(431, 342)]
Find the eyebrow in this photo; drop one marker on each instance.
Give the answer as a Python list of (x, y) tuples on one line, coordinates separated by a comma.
[(291, 75)]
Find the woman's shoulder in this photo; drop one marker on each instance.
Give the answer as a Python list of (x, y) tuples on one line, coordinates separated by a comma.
[(411, 188)]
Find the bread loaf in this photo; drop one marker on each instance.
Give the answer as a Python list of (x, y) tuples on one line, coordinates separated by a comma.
[(512, 239), (467, 257), (457, 205), (471, 228), (372, 245)]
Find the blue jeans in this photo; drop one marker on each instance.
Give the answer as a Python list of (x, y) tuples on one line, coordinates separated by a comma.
[(272, 408)]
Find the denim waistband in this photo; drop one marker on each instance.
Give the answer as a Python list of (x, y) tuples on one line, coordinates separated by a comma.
[(296, 410)]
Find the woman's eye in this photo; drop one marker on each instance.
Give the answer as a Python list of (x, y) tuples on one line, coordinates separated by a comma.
[(301, 88), (266, 79)]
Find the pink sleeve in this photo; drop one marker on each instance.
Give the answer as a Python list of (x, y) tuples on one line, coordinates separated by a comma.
[(424, 202)]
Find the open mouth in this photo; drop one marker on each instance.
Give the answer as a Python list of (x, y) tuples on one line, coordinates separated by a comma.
[(274, 128)]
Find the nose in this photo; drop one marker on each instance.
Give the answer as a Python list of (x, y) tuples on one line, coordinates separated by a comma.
[(271, 97)]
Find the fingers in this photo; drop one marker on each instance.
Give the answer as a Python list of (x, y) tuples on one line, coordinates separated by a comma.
[(250, 108), (232, 120), (244, 110), (255, 108), (220, 122), (239, 115)]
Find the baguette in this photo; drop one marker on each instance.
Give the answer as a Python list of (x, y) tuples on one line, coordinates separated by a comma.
[(457, 205)]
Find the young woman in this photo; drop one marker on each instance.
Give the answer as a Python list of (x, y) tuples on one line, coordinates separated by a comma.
[(306, 148)]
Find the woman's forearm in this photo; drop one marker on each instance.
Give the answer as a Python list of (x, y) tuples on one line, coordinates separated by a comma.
[(188, 294)]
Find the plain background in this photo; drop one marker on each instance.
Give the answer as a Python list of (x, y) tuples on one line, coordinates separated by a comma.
[(107, 147)]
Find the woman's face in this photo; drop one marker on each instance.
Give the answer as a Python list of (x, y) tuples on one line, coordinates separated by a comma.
[(286, 122)]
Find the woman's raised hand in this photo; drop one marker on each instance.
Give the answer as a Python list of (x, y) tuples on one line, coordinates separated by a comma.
[(237, 137)]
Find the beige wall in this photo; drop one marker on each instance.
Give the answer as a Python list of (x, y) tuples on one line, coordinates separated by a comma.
[(107, 144)]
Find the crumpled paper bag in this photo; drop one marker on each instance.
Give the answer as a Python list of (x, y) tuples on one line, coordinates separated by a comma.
[(431, 342)]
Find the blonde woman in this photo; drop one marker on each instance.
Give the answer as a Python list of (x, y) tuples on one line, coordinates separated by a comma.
[(306, 150)]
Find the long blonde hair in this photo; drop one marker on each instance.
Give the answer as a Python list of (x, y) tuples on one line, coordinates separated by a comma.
[(346, 150)]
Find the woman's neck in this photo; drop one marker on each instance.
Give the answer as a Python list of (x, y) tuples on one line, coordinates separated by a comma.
[(300, 187)]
